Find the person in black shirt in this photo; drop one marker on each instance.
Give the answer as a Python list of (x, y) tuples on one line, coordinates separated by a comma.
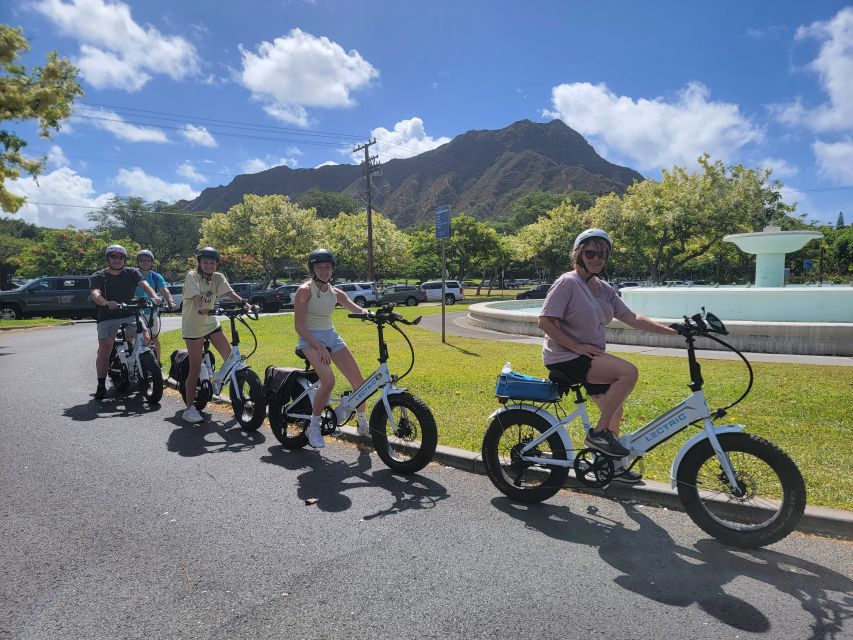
[(110, 287)]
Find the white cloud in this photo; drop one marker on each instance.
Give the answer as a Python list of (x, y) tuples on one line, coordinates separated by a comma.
[(138, 183), (835, 160), (301, 70), (408, 139), (834, 67), (56, 157), (115, 124), (654, 133), (198, 135), (60, 198), (188, 171), (327, 163), (115, 51), (781, 168), (256, 165)]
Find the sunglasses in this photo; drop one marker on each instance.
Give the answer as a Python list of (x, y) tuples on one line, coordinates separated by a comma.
[(591, 254)]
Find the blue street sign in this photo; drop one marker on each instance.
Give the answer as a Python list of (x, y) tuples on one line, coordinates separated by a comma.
[(807, 264), (442, 221)]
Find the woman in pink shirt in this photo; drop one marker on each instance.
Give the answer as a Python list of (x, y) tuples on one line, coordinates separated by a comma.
[(573, 317)]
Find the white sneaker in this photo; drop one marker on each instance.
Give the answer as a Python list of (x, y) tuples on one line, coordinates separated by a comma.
[(362, 428), (192, 415), (315, 438)]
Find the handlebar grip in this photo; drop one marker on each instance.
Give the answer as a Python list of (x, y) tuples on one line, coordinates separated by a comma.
[(355, 315)]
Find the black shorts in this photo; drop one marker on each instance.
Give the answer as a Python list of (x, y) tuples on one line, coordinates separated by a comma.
[(216, 330), (577, 369)]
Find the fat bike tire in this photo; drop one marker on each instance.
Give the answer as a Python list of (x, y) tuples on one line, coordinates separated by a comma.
[(515, 478), (150, 379), (413, 446), (289, 431), (773, 491), (250, 408)]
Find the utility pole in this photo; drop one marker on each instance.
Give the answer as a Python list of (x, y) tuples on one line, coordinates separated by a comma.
[(371, 165)]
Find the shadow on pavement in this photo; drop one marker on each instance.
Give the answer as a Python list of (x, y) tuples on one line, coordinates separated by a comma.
[(655, 567), (189, 440), (327, 480), (115, 405)]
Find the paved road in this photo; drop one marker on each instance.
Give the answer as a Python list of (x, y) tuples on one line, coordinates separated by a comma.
[(121, 522)]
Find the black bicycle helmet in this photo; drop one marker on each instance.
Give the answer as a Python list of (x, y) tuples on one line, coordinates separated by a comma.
[(320, 255), (207, 252)]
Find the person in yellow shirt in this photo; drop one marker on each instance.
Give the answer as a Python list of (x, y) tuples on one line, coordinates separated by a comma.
[(202, 286)]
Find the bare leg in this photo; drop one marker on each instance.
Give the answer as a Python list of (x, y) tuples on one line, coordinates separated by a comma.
[(327, 380), (621, 375), (102, 360), (344, 360), (194, 349)]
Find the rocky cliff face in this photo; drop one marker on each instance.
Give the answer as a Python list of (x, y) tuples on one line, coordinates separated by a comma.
[(479, 173)]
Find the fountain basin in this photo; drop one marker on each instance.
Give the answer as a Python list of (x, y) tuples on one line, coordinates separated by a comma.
[(520, 317)]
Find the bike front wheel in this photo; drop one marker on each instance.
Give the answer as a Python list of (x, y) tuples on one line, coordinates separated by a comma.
[(764, 507), (288, 430), (249, 406), (515, 477), (414, 443), (150, 379)]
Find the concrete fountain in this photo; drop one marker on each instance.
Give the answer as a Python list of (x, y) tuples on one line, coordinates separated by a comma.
[(763, 317)]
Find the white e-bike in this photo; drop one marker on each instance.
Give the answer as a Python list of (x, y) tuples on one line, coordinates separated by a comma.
[(739, 488), (402, 427)]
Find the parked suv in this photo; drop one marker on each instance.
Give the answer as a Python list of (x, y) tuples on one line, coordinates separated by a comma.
[(453, 291), (362, 293), (242, 289), (408, 294), (177, 291), (66, 296), (270, 300), (537, 292)]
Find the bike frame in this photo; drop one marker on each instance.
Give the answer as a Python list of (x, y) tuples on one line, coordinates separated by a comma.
[(691, 410), (228, 371), (133, 360)]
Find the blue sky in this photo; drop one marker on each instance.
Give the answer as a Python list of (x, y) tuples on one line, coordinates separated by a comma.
[(183, 96)]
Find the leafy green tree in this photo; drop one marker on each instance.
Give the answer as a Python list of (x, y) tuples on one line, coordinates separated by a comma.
[(68, 251), (328, 204), (530, 207), (45, 93), (346, 237), (268, 232), (665, 225), (547, 243), (425, 255), (165, 229)]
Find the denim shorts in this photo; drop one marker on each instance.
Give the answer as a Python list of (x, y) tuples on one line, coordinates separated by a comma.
[(328, 337)]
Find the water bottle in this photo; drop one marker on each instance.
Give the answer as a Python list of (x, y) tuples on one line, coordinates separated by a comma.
[(507, 368)]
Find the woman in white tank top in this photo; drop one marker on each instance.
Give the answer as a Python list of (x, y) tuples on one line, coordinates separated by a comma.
[(313, 305)]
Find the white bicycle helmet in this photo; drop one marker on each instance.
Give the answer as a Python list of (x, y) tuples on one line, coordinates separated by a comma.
[(115, 248), (589, 234), (145, 253)]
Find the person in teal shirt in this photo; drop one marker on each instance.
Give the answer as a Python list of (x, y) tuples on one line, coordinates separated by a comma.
[(145, 263)]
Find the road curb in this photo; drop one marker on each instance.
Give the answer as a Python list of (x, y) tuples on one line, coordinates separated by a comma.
[(835, 523)]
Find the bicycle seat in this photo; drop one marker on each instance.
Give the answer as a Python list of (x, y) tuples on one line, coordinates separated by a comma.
[(563, 381), (300, 354)]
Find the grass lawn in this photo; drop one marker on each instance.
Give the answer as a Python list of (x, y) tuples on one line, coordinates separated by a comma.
[(30, 322), (803, 409)]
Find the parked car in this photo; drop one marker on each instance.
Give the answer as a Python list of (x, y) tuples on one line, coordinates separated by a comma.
[(270, 300), (537, 292), (453, 291), (66, 296), (242, 289), (408, 294), (362, 293), (177, 291)]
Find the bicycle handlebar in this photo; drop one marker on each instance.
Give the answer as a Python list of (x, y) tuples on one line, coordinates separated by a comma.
[(699, 325), (384, 315), (235, 313)]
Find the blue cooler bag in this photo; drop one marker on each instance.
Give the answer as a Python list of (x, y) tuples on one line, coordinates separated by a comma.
[(522, 387)]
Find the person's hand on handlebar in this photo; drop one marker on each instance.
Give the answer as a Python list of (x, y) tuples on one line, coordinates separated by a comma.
[(112, 305)]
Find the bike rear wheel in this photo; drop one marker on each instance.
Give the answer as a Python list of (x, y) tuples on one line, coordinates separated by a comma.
[(413, 446), (289, 431), (150, 379), (250, 408), (772, 493), (516, 478)]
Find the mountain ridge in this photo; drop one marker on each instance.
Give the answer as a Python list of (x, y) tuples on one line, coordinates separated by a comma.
[(479, 172)]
